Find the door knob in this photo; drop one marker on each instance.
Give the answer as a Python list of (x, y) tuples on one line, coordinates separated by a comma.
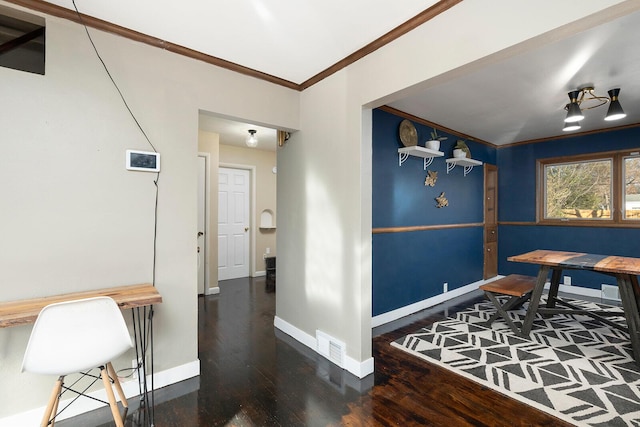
[(246, 229)]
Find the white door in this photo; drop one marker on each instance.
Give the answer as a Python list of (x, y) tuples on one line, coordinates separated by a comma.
[(202, 231), (233, 223)]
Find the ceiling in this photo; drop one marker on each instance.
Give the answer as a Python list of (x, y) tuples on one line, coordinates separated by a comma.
[(520, 98), (233, 132)]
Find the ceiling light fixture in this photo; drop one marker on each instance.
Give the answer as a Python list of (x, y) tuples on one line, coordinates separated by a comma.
[(615, 111), (252, 139), (586, 99), (571, 126)]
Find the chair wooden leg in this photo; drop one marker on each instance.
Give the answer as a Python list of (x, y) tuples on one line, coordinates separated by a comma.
[(116, 383), (52, 405), (54, 413), (111, 397)]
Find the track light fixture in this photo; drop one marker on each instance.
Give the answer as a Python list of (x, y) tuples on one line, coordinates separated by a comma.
[(252, 139), (586, 99)]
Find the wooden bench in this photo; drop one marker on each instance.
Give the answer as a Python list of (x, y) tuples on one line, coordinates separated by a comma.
[(518, 287)]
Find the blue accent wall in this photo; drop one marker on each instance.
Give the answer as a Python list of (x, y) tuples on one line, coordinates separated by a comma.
[(409, 267), (517, 203)]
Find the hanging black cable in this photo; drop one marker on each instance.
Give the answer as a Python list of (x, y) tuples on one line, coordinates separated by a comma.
[(144, 329)]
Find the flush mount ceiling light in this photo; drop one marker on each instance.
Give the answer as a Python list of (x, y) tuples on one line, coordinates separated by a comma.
[(252, 139), (586, 99)]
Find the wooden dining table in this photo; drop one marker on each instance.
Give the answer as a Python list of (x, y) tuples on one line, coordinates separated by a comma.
[(624, 269)]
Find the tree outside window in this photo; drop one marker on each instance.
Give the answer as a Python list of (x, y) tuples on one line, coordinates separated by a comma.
[(632, 187), (597, 189), (578, 190)]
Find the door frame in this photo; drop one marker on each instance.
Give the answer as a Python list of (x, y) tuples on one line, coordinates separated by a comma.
[(252, 211), (209, 290)]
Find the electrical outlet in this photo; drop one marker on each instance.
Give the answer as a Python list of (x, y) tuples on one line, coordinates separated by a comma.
[(610, 292), (567, 280), (445, 287)]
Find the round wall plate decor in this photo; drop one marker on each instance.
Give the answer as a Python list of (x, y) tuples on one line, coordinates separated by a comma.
[(408, 134)]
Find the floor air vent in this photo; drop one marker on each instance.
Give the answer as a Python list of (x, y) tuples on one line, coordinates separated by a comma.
[(331, 348)]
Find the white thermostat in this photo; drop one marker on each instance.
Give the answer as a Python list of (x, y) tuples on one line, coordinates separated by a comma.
[(145, 161)]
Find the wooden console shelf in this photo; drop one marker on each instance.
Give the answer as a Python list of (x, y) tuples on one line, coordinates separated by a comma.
[(22, 312)]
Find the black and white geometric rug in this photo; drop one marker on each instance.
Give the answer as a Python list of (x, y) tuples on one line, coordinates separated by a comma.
[(572, 367)]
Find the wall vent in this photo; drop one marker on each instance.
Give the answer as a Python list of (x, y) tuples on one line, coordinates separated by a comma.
[(331, 348), (610, 292)]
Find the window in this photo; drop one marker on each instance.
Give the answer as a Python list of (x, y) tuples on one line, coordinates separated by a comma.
[(594, 189), (632, 188)]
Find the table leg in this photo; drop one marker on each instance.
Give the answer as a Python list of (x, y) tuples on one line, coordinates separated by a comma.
[(535, 300), (627, 285), (636, 289), (143, 339), (556, 273)]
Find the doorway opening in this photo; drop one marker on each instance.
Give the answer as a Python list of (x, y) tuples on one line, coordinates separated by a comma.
[(224, 139)]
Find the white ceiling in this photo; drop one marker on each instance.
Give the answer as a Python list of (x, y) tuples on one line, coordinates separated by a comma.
[(522, 98), (290, 39), (517, 99)]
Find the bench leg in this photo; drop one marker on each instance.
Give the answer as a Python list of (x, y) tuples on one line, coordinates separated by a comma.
[(501, 310)]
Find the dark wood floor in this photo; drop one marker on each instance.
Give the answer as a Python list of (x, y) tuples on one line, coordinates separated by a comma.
[(253, 375)]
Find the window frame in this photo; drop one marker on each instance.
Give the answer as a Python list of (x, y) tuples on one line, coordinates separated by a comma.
[(617, 219)]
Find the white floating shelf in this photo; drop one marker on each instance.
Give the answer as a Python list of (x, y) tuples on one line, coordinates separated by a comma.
[(462, 161), (416, 151)]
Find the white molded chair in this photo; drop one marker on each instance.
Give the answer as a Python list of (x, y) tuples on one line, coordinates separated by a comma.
[(77, 336)]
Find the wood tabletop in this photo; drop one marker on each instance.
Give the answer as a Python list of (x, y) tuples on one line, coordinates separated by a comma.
[(578, 260), (14, 313)]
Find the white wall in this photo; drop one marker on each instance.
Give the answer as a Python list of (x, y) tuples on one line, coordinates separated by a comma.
[(73, 218)]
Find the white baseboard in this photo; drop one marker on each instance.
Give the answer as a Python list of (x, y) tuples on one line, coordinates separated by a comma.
[(130, 388), (399, 313), (359, 369), (578, 290), (364, 368), (213, 290), (260, 273), (407, 310)]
